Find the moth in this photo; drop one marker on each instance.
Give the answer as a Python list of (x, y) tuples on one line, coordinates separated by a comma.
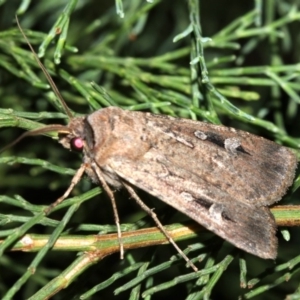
[(221, 177)]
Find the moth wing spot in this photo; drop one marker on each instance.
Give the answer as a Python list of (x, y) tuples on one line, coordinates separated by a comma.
[(164, 172), (204, 203), (200, 135), (184, 142), (232, 144), (179, 138), (215, 211), (143, 137), (187, 196)]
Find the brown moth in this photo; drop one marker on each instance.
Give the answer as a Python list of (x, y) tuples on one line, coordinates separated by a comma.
[(222, 178)]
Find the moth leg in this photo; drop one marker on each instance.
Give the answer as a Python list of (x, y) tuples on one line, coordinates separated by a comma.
[(76, 178), (150, 212), (113, 203)]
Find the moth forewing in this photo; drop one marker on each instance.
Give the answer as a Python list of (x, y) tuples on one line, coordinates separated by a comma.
[(219, 176), (247, 227)]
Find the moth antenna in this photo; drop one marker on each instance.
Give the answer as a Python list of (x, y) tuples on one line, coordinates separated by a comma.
[(53, 127), (46, 73)]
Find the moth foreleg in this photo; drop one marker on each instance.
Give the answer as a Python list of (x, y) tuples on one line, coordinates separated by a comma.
[(76, 178)]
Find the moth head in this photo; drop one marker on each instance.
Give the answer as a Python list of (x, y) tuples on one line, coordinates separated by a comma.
[(74, 138)]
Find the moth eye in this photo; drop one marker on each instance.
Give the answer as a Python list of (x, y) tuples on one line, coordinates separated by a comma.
[(76, 144)]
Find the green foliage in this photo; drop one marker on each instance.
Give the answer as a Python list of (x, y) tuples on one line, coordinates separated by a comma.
[(220, 62)]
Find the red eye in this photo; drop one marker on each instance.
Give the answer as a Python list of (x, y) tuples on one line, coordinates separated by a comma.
[(77, 144)]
